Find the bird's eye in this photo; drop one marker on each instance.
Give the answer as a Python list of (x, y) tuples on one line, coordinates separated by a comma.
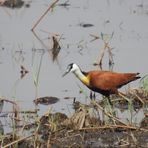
[(70, 66)]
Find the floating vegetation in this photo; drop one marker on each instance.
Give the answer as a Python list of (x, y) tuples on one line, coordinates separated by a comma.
[(67, 98), (13, 3), (46, 100), (23, 71), (65, 4), (55, 49), (85, 25)]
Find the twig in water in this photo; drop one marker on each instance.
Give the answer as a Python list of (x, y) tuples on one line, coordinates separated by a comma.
[(106, 38), (51, 6), (109, 49), (94, 37), (102, 52)]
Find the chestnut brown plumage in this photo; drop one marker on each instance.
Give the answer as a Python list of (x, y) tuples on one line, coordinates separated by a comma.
[(107, 82), (103, 82)]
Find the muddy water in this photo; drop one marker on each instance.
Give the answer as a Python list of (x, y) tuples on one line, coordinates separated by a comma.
[(128, 20)]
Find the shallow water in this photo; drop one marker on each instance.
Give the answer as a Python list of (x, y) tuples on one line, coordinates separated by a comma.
[(128, 20)]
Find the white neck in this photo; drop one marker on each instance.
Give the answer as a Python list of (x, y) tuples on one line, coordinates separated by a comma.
[(81, 76)]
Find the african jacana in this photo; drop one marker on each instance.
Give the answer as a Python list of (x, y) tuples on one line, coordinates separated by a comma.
[(103, 82)]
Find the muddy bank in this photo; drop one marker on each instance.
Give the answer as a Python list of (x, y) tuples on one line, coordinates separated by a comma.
[(84, 128)]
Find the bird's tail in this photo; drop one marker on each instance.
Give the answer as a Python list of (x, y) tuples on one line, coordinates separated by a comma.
[(129, 77), (132, 76)]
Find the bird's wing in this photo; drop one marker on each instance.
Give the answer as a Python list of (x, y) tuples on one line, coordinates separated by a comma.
[(106, 80)]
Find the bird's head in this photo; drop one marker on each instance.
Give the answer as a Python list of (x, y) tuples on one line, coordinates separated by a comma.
[(71, 68)]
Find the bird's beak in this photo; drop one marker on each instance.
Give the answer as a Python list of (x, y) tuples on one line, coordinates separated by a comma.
[(65, 73)]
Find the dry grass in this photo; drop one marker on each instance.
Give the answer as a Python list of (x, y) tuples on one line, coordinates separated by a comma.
[(86, 124)]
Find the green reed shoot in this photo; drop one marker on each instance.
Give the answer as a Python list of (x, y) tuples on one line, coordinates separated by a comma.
[(36, 69), (144, 82)]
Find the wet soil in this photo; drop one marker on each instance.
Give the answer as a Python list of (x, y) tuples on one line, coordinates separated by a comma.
[(93, 137), (103, 138), (82, 129)]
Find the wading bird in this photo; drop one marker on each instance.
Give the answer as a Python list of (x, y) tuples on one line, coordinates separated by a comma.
[(103, 82)]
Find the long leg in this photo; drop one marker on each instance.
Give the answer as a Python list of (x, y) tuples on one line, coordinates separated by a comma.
[(92, 95), (111, 108)]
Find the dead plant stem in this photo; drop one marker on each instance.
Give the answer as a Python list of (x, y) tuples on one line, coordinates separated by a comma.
[(42, 16), (109, 115), (114, 126), (19, 140), (137, 97)]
